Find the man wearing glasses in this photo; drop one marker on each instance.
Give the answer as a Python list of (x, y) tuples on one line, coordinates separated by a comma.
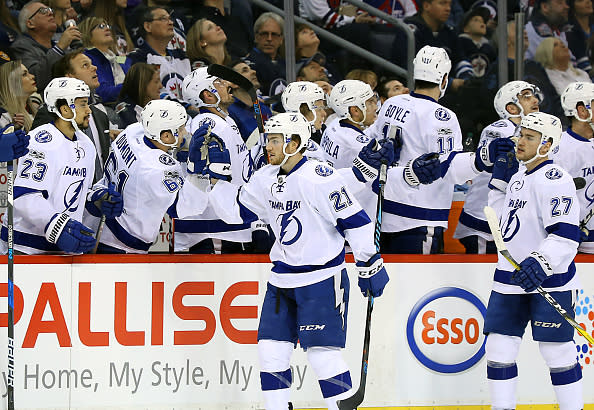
[(35, 47), (157, 31)]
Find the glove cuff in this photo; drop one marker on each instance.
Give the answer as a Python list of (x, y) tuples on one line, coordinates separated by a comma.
[(369, 271), (498, 184), (483, 153), (55, 227), (367, 171), (409, 175), (543, 262)]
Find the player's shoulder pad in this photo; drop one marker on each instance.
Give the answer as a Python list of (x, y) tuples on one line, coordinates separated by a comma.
[(444, 114), (318, 171)]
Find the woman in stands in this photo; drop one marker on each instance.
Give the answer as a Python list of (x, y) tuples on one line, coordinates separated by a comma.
[(141, 85), (16, 86), (206, 44)]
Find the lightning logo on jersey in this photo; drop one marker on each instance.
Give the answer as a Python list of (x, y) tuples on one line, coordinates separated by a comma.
[(286, 222)]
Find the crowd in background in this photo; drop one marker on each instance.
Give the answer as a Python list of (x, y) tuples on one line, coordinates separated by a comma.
[(130, 52)]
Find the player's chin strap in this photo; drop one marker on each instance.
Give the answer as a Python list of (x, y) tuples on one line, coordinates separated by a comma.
[(287, 156), (360, 123), (537, 155), (70, 120)]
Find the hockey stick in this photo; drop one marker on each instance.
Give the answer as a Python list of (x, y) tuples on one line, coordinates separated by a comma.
[(10, 283), (351, 403), (493, 222)]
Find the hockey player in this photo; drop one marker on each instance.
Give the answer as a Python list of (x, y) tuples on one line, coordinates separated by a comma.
[(512, 102), (53, 178), (213, 96), (575, 149), (539, 221), (355, 104), (13, 144), (310, 209), (142, 164), (310, 100), (415, 216)]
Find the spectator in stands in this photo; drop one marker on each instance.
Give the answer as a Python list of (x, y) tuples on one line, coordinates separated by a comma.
[(206, 44), (62, 11), (35, 47), (267, 54), (548, 19), (79, 66), (141, 85), (112, 11), (157, 30), (581, 25), (9, 29), (307, 42), (242, 110), (238, 31), (476, 53), (16, 86), (312, 69), (367, 76), (99, 41), (178, 16), (397, 8), (391, 86)]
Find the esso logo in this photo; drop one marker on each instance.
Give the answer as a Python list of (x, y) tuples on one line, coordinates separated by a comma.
[(445, 330)]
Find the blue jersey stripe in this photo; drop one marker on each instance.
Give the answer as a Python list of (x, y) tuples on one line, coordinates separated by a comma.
[(281, 267), (474, 223), (415, 212), (354, 221), (207, 226), (29, 240), (565, 230), (126, 237)]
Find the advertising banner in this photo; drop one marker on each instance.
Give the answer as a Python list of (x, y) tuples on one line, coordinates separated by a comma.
[(181, 333)]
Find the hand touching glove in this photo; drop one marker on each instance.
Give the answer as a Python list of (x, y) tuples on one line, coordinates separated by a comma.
[(504, 168), (533, 271), (109, 201), (487, 154), (370, 159), (372, 276), (13, 144), (208, 155), (70, 235), (423, 170)]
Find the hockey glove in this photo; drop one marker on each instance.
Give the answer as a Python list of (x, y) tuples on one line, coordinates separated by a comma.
[(487, 154), (196, 153), (109, 201), (71, 236), (262, 241), (533, 271), (397, 142), (372, 276), (370, 159), (422, 170), (13, 144), (504, 168), (219, 161)]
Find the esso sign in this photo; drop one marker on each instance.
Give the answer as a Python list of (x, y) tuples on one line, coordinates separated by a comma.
[(445, 330)]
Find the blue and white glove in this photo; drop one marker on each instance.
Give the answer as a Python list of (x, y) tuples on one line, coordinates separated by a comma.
[(71, 236), (109, 201), (504, 168), (487, 154), (219, 159), (13, 144), (196, 155), (372, 276), (533, 271), (367, 164), (422, 170)]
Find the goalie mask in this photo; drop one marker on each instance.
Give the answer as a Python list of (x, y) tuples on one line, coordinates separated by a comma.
[(163, 115), (289, 124)]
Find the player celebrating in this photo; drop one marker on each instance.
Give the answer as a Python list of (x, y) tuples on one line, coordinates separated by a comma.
[(309, 207), (575, 149), (142, 165), (355, 105), (308, 99), (213, 96), (513, 101), (415, 216), (53, 178), (539, 222)]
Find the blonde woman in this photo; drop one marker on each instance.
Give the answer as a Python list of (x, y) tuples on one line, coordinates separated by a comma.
[(206, 44), (554, 56), (16, 86), (99, 41), (112, 11)]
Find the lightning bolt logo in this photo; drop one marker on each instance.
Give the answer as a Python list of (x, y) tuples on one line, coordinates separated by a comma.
[(339, 295), (285, 221)]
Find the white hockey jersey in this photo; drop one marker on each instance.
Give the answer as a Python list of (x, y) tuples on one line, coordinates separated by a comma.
[(53, 177), (472, 219), (342, 142), (151, 183), (575, 154), (190, 231), (539, 212), (311, 212), (425, 126)]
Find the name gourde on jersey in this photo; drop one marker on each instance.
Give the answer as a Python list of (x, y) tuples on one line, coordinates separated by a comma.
[(204, 317)]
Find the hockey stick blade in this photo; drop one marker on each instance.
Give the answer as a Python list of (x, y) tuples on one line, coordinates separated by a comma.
[(493, 222), (229, 74)]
